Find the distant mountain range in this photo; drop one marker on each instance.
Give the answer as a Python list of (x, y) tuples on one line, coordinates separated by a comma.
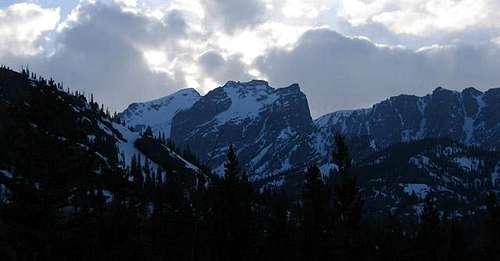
[(404, 148), (274, 131)]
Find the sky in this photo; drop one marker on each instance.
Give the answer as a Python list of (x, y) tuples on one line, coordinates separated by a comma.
[(344, 54)]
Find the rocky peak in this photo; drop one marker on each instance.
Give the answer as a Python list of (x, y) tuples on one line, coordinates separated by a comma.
[(251, 115), (158, 113)]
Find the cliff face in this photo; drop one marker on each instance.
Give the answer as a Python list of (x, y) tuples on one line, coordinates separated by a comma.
[(253, 116)]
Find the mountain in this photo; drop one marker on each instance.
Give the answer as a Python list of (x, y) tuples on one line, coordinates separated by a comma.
[(445, 143), (273, 130), (35, 141), (470, 117), (259, 120), (401, 175), (158, 113)]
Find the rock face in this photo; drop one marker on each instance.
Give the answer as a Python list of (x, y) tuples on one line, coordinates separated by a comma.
[(158, 113), (273, 131), (470, 117), (259, 120)]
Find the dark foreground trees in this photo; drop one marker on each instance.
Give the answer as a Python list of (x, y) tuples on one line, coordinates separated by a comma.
[(118, 215)]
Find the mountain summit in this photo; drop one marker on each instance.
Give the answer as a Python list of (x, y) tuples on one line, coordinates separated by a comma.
[(252, 115), (158, 113), (273, 130)]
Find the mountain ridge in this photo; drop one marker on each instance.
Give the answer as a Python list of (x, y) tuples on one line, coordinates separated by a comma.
[(467, 116)]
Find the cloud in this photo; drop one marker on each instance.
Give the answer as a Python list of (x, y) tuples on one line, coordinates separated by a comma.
[(175, 23), (339, 72), (232, 15), (102, 48), (23, 27), (422, 17), (125, 51), (221, 70)]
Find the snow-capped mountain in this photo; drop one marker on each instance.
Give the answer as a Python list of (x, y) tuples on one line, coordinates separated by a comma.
[(158, 113), (404, 147), (259, 120), (471, 117), (273, 130)]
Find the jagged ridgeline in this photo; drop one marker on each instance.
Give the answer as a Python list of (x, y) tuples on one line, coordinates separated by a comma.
[(277, 138), (412, 178)]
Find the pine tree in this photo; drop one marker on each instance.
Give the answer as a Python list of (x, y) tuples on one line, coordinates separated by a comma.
[(314, 214), (232, 205), (148, 182), (490, 236), (148, 133), (429, 231), (347, 201), (231, 166), (346, 204), (456, 242), (136, 171), (158, 178)]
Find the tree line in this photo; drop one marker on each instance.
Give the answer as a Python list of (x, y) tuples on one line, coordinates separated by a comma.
[(71, 199)]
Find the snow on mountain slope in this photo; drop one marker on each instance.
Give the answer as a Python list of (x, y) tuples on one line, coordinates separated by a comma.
[(246, 103), (258, 119), (403, 174), (274, 132), (158, 113), (471, 117), (127, 149)]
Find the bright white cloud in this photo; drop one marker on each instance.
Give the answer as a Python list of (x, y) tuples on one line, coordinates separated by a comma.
[(130, 50), (303, 8), (359, 12), (496, 40), (155, 58), (23, 27), (423, 17)]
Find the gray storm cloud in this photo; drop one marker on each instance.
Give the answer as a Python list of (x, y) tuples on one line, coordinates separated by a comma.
[(100, 53), (234, 14), (222, 70), (338, 72)]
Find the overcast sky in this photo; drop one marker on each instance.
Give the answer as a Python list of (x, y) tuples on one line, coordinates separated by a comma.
[(344, 53)]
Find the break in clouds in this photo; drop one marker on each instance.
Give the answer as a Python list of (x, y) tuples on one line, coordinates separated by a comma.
[(344, 54)]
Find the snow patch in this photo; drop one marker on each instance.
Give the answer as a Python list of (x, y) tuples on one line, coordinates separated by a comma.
[(246, 102), (127, 148), (158, 114), (327, 168), (495, 175), (419, 190), (420, 161), (6, 173), (468, 164)]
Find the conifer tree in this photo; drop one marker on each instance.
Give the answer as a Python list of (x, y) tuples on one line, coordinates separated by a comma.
[(347, 201), (314, 214), (158, 178), (231, 166), (148, 182), (429, 231), (232, 210), (490, 236), (346, 204), (148, 133)]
